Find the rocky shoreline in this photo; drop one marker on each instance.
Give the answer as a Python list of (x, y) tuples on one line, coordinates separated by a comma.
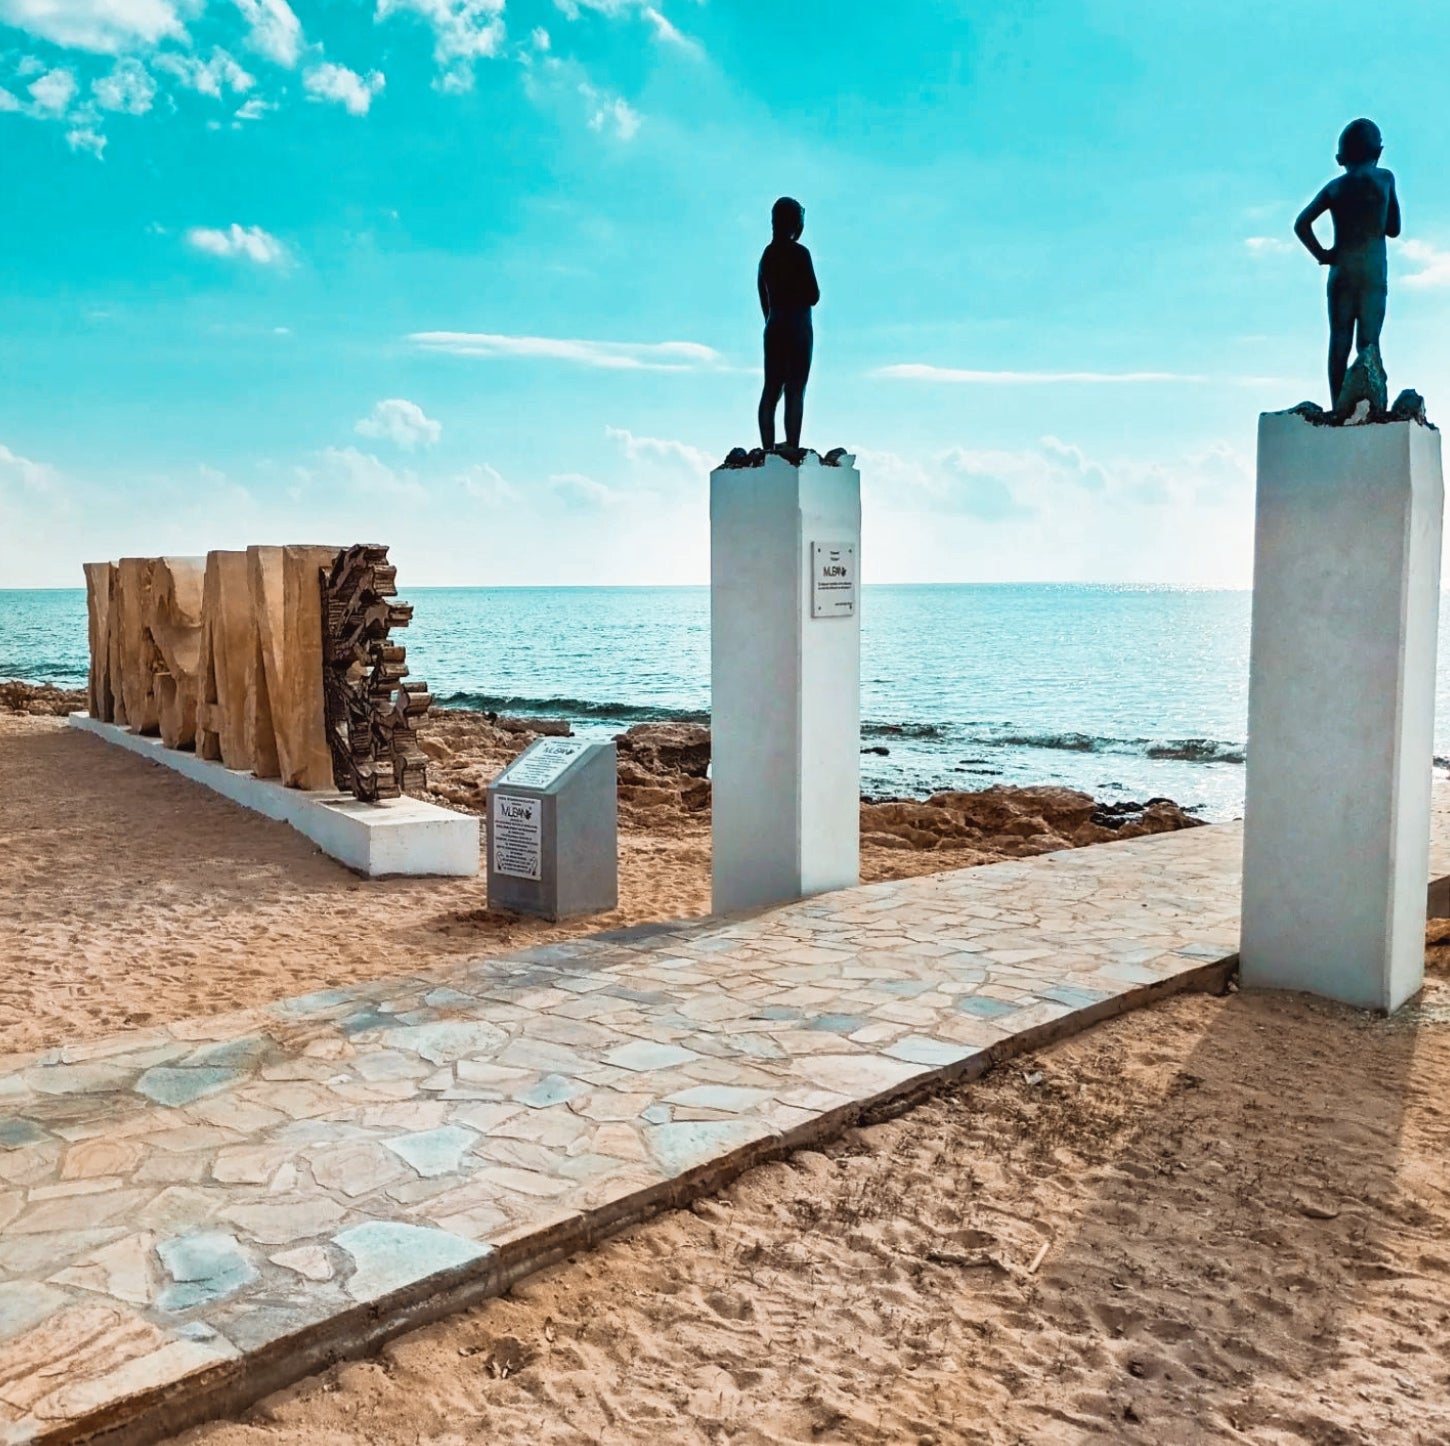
[(664, 786)]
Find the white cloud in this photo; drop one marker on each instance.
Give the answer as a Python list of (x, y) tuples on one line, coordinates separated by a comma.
[(1268, 245), (243, 243), (8, 101), (253, 109), (663, 450), (105, 26), (84, 138), (1434, 264), (352, 472), (611, 112), (273, 30), (1050, 482), (540, 38), (922, 372), (349, 89), (401, 422), (671, 356), (53, 91), (464, 31), (206, 77), (582, 490), (669, 34), (21, 472), (128, 88), (486, 484)]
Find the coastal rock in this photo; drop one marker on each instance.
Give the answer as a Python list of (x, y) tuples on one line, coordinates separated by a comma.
[(1014, 821), (40, 699), (667, 748), (534, 727)]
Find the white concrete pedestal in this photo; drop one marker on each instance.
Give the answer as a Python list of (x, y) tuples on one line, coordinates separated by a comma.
[(1341, 709), (397, 836), (785, 664)]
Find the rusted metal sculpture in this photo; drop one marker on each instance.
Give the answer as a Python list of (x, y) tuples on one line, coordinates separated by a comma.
[(372, 713)]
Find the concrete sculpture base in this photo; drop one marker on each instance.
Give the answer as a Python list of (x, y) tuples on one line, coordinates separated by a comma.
[(785, 664), (1341, 709), (398, 836)]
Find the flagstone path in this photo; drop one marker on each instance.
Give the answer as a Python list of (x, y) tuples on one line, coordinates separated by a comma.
[(194, 1215)]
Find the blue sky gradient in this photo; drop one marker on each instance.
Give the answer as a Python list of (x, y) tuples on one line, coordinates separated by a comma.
[(477, 279)]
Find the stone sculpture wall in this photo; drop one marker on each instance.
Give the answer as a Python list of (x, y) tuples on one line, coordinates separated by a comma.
[(225, 654)]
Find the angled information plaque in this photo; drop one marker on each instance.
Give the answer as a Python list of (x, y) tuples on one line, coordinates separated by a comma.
[(553, 833)]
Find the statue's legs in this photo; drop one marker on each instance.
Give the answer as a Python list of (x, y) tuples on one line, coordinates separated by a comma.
[(1344, 311), (795, 411), (1371, 315), (788, 346), (775, 381)]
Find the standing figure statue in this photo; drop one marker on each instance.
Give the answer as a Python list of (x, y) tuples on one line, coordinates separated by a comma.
[(788, 290), (1365, 209)]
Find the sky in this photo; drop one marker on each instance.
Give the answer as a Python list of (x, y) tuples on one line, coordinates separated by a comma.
[(475, 278)]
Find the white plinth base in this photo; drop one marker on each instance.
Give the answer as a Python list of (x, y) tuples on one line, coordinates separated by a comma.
[(785, 682), (397, 836), (1341, 709)]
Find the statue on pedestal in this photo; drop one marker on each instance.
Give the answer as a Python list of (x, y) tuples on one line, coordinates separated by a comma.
[(787, 284), (1365, 210)]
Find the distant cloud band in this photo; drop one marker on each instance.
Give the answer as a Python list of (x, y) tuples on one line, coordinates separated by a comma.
[(660, 356), (921, 372)]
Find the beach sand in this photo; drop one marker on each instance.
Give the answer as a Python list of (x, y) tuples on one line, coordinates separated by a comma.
[(133, 897), (1245, 1201)]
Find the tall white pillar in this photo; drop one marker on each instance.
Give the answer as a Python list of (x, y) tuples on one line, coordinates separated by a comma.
[(785, 670), (1341, 709)]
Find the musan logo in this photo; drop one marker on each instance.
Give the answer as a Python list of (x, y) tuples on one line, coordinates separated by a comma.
[(516, 809)]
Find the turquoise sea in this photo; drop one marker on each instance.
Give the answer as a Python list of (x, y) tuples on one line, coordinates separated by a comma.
[(1127, 692)]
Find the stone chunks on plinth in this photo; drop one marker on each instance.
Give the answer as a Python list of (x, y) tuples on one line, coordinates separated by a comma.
[(100, 579), (286, 717), (227, 633), (174, 627)]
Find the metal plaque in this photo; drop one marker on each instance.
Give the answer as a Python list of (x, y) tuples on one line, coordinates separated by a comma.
[(515, 835), (833, 579), (543, 762)]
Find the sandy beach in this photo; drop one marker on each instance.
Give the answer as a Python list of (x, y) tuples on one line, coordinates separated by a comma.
[(1243, 1204), (139, 898), (1217, 1219)]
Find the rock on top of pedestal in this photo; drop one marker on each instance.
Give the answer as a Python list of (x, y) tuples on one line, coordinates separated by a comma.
[(1409, 406), (740, 458), (1364, 398)]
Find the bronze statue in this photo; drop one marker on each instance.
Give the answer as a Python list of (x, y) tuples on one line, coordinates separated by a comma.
[(788, 289), (1365, 210)]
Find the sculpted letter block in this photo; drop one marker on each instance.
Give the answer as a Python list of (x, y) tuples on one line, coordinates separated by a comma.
[(174, 623), (287, 596), (100, 579), (226, 643), (132, 661)]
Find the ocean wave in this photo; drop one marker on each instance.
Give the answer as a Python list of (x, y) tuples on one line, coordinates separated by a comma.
[(870, 729), (571, 708), (1181, 750), (1197, 750)]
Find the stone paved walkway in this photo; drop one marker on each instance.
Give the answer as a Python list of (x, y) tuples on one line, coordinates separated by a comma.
[(195, 1215)]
